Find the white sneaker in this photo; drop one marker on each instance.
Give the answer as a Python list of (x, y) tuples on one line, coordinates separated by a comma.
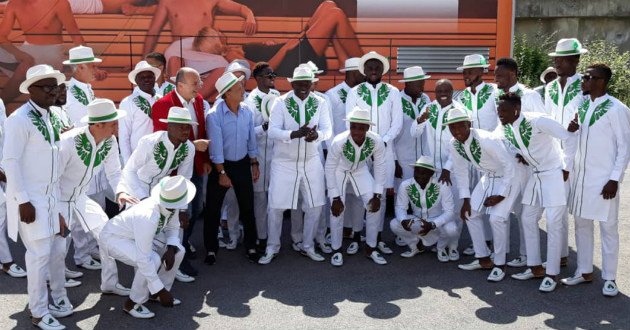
[(313, 255), (71, 283), (266, 258), (73, 273), (547, 285), (399, 241), (118, 290), (410, 253), (140, 312), (496, 275), (96, 256), (377, 258), (442, 255), (297, 246), (232, 244), (469, 251), (573, 280), (183, 277), (453, 255), (337, 259), (15, 271), (48, 322), (222, 244), (610, 289), (471, 266), (526, 275), (325, 248), (91, 265), (521, 261), (384, 248), (353, 248)]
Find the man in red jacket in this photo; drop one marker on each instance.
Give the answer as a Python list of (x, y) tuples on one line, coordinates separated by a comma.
[(186, 95)]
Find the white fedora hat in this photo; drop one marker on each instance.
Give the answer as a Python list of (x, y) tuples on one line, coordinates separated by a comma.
[(373, 56), (359, 116), (424, 161), (225, 82), (568, 47), (266, 104), (474, 61), (102, 111), (141, 67), (456, 115), (301, 73), (239, 66), (313, 67), (178, 115), (544, 73), (351, 64), (81, 54), (40, 72), (174, 192), (414, 73)]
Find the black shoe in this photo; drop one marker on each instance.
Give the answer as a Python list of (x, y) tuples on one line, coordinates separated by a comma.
[(262, 246), (253, 256), (186, 268), (190, 254), (211, 258)]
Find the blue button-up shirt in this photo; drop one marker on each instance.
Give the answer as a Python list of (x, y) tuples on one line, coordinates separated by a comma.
[(232, 136)]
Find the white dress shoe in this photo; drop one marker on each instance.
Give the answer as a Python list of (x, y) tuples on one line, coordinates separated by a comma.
[(15, 271), (526, 275), (140, 312), (353, 248), (118, 290), (521, 261), (377, 258), (384, 248), (232, 244), (469, 251), (71, 283), (325, 248), (266, 258), (313, 255), (91, 265), (470, 266), (184, 278), (399, 241), (453, 255), (48, 322), (610, 289), (175, 300), (547, 285), (442, 255), (410, 253), (297, 246), (61, 308), (573, 280), (73, 273), (496, 275), (337, 259), (222, 244), (328, 239)]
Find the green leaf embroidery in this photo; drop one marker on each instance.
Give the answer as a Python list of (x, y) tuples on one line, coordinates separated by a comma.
[(143, 105), (168, 88), (84, 148), (414, 195), (459, 147), (160, 154), (407, 108), (526, 132), (475, 150), (102, 152), (161, 223), (258, 102), (348, 151), (91, 94), (509, 135), (367, 149), (483, 95), (600, 111), (574, 89), (582, 109), (433, 116), (293, 108), (364, 94), (310, 108), (39, 123), (554, 91), (466, 99), (79, 94), (56, 125), (180, 155), (343, 95), (382, 95), (433, 192)]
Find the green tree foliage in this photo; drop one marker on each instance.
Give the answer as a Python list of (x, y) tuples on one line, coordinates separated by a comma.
[(609, 54)]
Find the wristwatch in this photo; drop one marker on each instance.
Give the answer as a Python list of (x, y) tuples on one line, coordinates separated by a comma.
[(222, 172)]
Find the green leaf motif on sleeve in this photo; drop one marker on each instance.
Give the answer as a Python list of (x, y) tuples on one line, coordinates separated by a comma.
[(553, 92), (293, 108), (180, 155), (475, 150), (160, 154), (484, 95), (466, 99), (509, 135), (84, 148), (79, 94), (310, 108), (382, 95), (343, 95), (348, 151), (407, 109), (600, 111), (143, 105), (102, 152), (582, 109), (39, 123), (459, 147), (433, 192), (160, 225), (258, 102), (574, 89), (433, 115), (364, 94), (526, 131), (367, 150), (414, 195)]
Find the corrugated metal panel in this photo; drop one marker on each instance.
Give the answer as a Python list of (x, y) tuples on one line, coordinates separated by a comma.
[(436, 59)]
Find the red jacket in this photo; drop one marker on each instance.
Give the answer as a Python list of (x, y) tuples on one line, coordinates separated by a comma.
[(160, 111)]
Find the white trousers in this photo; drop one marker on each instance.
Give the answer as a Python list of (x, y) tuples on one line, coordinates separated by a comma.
[(230, 212), (371, 225), (260, 213), (609, 232), (530, 217), (84, 244), (500, 227), (124, 250), (5, 252), (442, 235), (44, 260), (311, 222), (565, 223), (518, 212)]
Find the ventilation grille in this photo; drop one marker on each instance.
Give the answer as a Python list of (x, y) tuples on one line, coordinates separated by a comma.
[(436, 59)]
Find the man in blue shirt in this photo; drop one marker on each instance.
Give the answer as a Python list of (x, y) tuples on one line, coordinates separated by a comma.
[(233, 151)]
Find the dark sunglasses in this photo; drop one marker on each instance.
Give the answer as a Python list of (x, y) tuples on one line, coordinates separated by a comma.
[(48, 88), (271, 75), (589, 78)]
